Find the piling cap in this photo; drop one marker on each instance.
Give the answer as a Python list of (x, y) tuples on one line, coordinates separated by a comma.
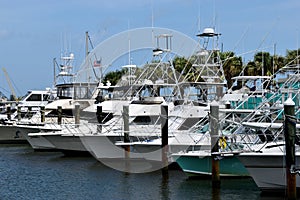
[(289, 102), (214, 103)]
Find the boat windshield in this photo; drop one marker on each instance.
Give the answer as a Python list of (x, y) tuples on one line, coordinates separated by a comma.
[(32, 97)]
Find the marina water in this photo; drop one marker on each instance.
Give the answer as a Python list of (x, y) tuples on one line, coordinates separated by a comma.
[(26, 174)]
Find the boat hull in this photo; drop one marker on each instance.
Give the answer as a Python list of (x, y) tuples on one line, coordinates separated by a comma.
[(154, 151), (268, 171), (39, 143), (16, 133), (10, 134), (194, 165), (66, 144), (103, 147)]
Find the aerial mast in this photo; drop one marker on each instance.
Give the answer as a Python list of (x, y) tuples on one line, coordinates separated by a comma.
[(86, 44)]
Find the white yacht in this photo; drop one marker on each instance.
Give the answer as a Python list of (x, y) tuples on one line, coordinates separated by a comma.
[(188, 116), (66, 139), (61, 110), (25, 113)]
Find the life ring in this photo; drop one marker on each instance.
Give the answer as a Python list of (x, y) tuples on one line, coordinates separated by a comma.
[(222, 142)]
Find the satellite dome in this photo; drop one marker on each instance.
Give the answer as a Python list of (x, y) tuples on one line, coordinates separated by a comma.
[(210, 31), (71, 55)]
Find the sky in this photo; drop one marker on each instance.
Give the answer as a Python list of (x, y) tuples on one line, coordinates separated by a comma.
[(33, 32)]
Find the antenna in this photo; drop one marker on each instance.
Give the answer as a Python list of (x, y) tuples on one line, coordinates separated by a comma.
[(129, 48), (274, 60), (152, 23), (199, 12), (214, 13), (86, 44), (297, 48), (54, 71)]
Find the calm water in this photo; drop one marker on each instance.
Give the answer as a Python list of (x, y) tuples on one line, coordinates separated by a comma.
[(26, 174)]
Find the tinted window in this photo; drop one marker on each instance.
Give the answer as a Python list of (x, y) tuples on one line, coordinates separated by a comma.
[(35, 97)]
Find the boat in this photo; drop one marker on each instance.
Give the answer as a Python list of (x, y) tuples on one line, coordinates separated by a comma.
[(61, 112), (266, 165), (67, 140), (63, 138), (242, 106), (23, 115), (199, 163), (188, 119)]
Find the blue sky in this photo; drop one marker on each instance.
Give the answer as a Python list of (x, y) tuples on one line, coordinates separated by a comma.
[(33, 32)]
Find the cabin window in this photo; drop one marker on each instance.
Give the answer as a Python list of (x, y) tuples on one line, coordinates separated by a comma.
[(188, 123), (45, 97), (142, 119), (34, 97), (64, 92), (84, 92)]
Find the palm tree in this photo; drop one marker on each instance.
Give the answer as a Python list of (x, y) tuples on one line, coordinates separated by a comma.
[(263, 62), (232, 66), (292, 57), (182, 65), (251, 69), (278, 62), (114, 77)]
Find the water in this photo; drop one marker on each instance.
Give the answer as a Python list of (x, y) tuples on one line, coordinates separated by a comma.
[(26, 174)]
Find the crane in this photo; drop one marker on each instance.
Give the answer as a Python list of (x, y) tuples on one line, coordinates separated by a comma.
[(9, 84)]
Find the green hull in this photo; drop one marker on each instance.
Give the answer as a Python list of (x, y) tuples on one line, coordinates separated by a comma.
[(201, 166)]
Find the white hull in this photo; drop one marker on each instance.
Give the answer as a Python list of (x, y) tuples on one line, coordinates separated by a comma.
[(180, 142), (154, 151), (10, 134), (103, 147), (40, 143), (18, 133), (36, 141), (66, 143), (268, 171)]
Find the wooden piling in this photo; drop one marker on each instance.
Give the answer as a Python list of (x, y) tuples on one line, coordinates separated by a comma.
[(214, 133), (126, 130), (77, 114), (59, 114), (42, 110), (29, 112), (19, 113), (8, 112), (99, 116), (164, 137), (290, 134)]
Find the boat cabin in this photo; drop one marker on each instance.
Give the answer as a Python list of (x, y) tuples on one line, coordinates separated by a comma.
[(75, 90)]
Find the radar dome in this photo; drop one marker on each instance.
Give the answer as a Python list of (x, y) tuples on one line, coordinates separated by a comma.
[(209, 31)]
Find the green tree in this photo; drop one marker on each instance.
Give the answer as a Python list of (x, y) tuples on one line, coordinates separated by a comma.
[(278, 62), (263, 62), (232, 66), (292, 57), (182, 65), (114, 76), (250, 69)]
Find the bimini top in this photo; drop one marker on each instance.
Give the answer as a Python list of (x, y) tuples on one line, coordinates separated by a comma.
[(250, 77)]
